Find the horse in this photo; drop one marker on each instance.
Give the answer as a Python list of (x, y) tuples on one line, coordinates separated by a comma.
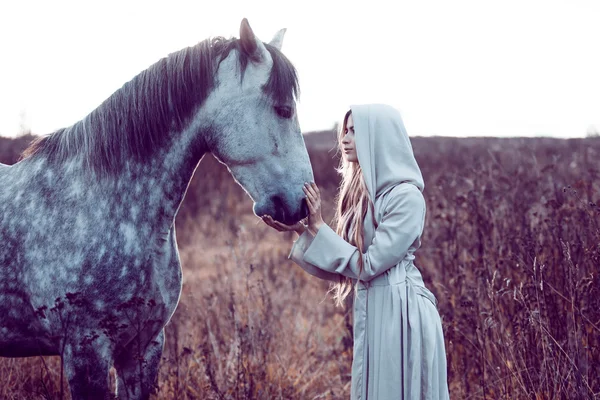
[(89, 266)]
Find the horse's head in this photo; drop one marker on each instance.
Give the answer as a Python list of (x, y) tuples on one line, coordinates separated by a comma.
[(254, 127)]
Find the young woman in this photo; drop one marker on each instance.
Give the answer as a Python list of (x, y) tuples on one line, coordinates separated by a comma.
[(399, 348)]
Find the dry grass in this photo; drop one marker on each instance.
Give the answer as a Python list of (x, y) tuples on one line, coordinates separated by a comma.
[(511, 249)]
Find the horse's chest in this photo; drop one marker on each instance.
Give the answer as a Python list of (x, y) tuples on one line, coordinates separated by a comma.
[(157, 278)]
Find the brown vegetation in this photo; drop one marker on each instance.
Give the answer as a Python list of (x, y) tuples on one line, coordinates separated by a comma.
[(511, 249)]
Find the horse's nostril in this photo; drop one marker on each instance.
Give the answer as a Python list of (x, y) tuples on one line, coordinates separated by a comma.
[(277, 202), (278, 207)]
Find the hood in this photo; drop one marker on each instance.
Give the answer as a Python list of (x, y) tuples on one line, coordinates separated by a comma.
[(383, 149)]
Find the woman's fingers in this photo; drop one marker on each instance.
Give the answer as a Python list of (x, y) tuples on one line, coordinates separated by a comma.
[(269, 221), (281, 227), (316, 188), (310, 202), (313, 190), (273, 223), (309, 189), (311, 195)]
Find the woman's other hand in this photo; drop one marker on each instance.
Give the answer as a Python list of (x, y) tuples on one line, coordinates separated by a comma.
[(313, 200), (299, 227)]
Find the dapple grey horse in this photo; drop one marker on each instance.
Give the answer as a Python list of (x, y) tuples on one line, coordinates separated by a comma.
[(89, 267)]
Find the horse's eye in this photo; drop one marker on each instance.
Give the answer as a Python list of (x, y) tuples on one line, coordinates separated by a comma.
[(284, 112)]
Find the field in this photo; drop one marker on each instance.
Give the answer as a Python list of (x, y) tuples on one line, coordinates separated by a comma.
[(511, 249)]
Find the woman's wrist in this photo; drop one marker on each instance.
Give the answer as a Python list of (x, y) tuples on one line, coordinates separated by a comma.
[(301, 228), (314, 228)]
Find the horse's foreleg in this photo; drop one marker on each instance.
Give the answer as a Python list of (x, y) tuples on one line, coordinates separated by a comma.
[(137, 373), (86, 368)]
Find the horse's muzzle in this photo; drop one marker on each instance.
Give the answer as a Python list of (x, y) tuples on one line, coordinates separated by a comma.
[(281, 210)]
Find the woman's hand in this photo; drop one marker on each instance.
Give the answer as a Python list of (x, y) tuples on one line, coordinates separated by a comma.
[(313, 200), (299, 227)]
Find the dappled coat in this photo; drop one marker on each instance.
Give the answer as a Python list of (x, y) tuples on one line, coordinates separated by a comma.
[(399, 350)]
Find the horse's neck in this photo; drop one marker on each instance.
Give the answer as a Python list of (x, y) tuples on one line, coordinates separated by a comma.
[(153, 187), (161, 183)]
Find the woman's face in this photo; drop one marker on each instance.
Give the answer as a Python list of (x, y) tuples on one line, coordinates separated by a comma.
[(348, 144)]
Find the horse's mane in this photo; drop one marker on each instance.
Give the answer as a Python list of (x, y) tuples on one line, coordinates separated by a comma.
[(134, 120)]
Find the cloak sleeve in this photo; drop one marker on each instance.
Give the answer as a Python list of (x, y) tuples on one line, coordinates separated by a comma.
[(401, 225), (297, 254)]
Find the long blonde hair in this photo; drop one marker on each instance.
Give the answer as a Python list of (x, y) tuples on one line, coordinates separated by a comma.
[(352, 204)]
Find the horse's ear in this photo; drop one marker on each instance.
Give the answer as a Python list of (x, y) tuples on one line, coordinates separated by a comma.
[(277, 40), (251, 45)]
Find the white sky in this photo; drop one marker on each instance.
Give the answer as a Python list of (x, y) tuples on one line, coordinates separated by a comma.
[(454, 68)]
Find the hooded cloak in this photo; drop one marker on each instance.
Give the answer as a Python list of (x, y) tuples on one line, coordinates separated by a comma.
[(384, 153), (399, 350)]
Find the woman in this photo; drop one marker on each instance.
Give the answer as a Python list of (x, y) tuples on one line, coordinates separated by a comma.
[(399, 348)]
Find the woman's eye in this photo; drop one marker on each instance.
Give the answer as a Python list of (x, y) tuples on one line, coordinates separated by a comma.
[(284, 112)]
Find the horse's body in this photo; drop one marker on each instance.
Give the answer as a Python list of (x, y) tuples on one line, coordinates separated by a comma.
[(89, 268)]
